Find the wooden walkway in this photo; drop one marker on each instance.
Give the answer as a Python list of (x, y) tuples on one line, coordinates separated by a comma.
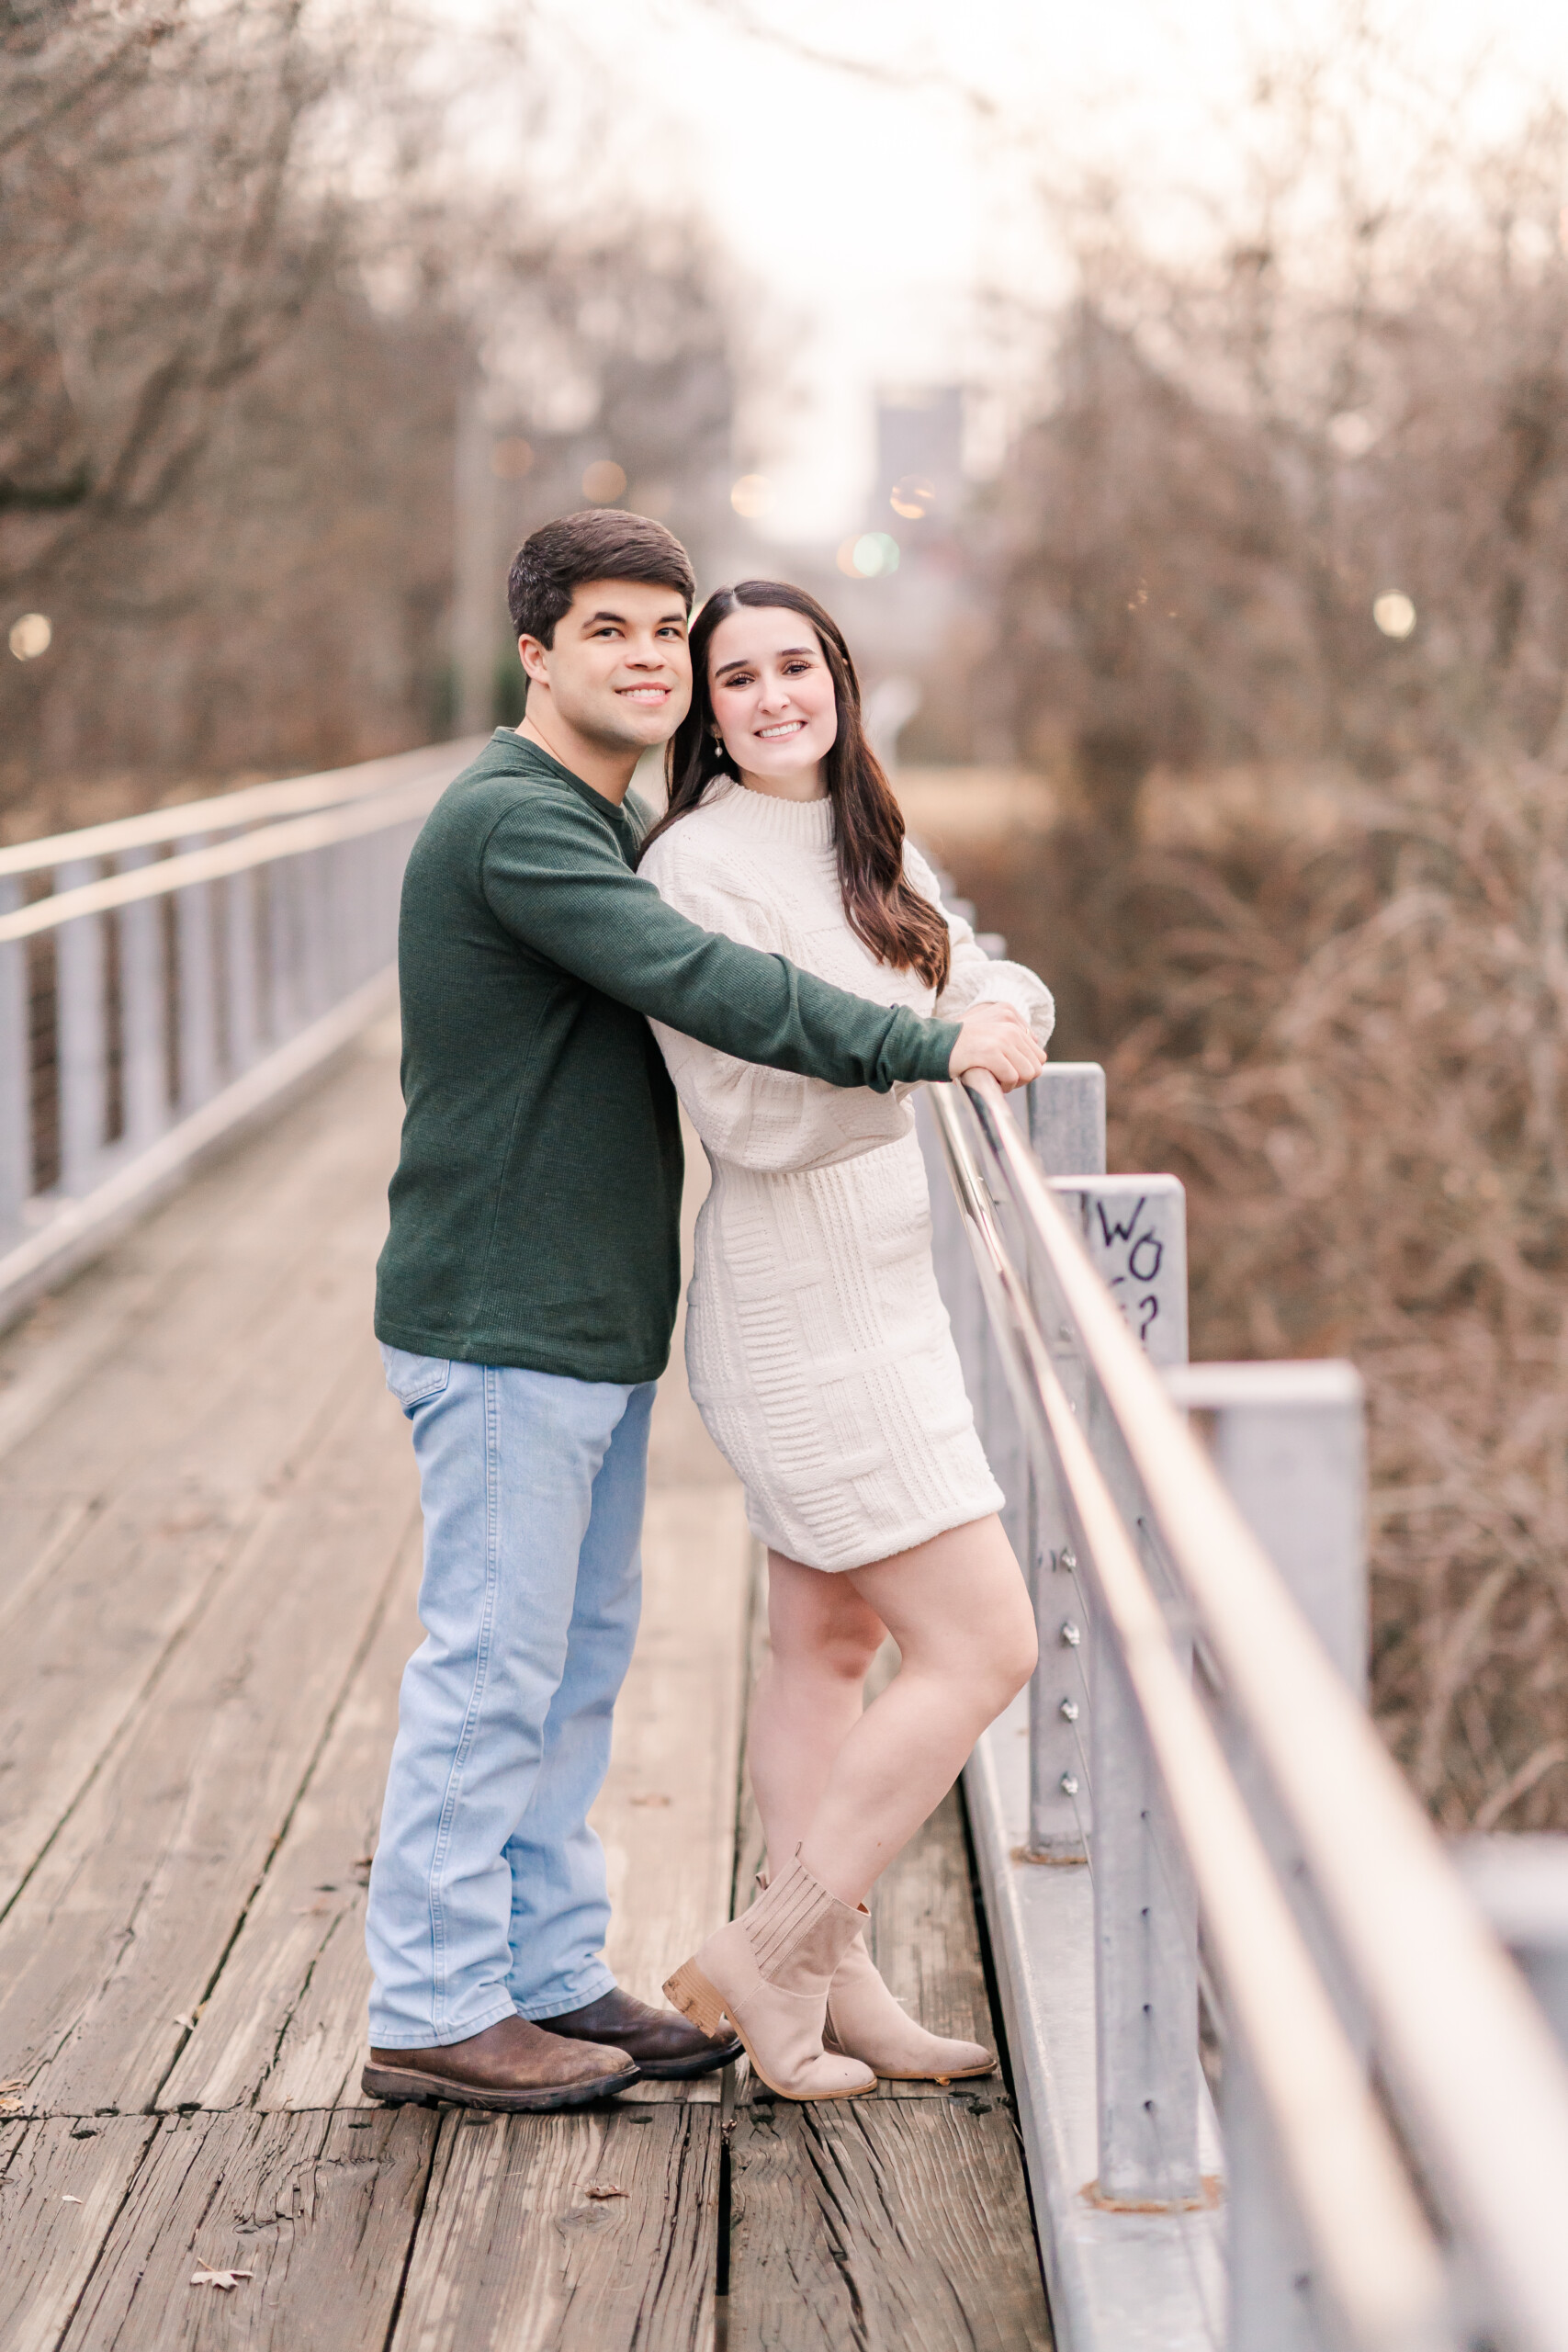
[(207, 1576)]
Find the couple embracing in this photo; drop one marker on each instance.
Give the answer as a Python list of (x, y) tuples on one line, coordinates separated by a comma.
[(772, 953)]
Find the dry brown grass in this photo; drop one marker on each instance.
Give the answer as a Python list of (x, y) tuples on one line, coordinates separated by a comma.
[(1340, 1015)]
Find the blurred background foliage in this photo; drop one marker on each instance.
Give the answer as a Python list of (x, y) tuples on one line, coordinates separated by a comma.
[(1237, 672)]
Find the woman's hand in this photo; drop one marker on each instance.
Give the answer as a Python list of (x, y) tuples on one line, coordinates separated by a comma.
[(997, 1037)]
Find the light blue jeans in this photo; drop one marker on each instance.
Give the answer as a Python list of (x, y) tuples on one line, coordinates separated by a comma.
[(487, 1893)]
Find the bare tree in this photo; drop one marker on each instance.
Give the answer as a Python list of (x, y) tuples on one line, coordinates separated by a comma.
[(255, 283), (1278, 584)]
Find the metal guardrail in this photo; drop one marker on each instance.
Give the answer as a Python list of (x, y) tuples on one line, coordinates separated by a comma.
[(1395, 2104), (166, 977)]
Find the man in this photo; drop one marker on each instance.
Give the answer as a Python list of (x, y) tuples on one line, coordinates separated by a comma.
[(526, 1300)]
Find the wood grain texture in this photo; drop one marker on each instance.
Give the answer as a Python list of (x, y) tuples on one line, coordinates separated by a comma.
[(186, 1454), (39, 1529), (119, 1932), (666, 1814), (61, 2185), (94, 1374), (514, 2254), (895, 2226), (321, 2208), (285, 2023), (89, 1650)]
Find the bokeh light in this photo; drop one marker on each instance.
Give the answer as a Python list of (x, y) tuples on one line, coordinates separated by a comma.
[(1352, 432), (511, 458), (912, 496), (1394, 612), (752, 495), (604, 481), (31, 635), (871, 556)]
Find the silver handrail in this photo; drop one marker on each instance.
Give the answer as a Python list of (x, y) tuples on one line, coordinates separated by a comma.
[(1481, 2086), (251, 804), (371, 814), (149, 1009)]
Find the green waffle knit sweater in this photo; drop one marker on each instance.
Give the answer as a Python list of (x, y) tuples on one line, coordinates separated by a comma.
[(536, 1207)]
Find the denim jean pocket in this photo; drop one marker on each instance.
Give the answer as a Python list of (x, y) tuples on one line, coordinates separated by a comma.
[(415, 1380)]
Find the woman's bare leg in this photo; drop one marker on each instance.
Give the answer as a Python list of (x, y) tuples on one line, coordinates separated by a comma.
[(823, 1637), (959, 1610)]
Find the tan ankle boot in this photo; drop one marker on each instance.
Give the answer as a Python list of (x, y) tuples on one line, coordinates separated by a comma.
[(865, 2021), (768, 1972)]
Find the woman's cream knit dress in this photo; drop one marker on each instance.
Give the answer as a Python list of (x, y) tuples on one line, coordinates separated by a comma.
[(817, 1342)]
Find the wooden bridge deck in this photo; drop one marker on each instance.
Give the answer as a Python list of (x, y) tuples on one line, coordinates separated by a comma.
[(207, 1593)]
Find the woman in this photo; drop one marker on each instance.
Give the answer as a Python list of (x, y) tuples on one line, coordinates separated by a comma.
[(818, 1349)]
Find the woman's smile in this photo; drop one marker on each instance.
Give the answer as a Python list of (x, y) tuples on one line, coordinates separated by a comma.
[(761, 658)]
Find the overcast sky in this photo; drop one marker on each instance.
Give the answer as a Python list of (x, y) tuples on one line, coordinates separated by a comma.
[(862, 218)]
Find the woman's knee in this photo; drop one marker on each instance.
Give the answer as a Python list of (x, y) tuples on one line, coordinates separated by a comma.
[(821, 1621), (1018, 1652)]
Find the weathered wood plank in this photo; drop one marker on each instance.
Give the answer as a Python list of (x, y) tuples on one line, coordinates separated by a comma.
[(40, 1530), (321, 2208), (63, 2188), (94, 1373), (516, 2253), (895, 2226), (285, 2023), (86, 1651), (667, 1815), (119, 1934)]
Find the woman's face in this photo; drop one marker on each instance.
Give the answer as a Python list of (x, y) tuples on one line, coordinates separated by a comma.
[(773, 697)]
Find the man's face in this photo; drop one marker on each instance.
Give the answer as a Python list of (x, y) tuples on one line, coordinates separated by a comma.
[(620, 671)]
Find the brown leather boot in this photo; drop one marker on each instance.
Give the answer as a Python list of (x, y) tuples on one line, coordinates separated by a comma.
[(664, 2045), (511, 2065)]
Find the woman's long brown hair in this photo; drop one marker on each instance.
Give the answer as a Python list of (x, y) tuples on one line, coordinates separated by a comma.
[(901, 928)]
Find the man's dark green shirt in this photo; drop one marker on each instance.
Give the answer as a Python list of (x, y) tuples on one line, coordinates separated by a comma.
[(535, 1208)]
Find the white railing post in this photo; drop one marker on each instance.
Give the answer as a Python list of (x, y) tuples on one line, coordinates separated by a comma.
[(283, 989), (219, 1002), (79, 997), (1067, 1132), (1289, 1440), (1134, 1230), (241, 994), (197, 987), (16, 1073), (143, 1030)]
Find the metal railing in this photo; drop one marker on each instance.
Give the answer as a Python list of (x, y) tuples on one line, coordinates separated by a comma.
[(164, 978), (1394, 2105)]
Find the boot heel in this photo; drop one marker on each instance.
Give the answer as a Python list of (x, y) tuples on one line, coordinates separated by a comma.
[(689, 1991)]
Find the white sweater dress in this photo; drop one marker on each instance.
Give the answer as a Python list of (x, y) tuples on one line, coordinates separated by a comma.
[(818, 1346)]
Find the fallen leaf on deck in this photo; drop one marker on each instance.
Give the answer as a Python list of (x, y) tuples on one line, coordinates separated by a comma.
[(189, 2023), (227, 2279), (602, 2188), (71, 2201)]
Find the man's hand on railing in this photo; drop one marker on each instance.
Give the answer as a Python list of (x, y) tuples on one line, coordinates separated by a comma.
[(996, 1037)]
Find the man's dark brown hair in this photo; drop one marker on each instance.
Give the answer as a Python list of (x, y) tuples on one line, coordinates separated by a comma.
[(601, 543)]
